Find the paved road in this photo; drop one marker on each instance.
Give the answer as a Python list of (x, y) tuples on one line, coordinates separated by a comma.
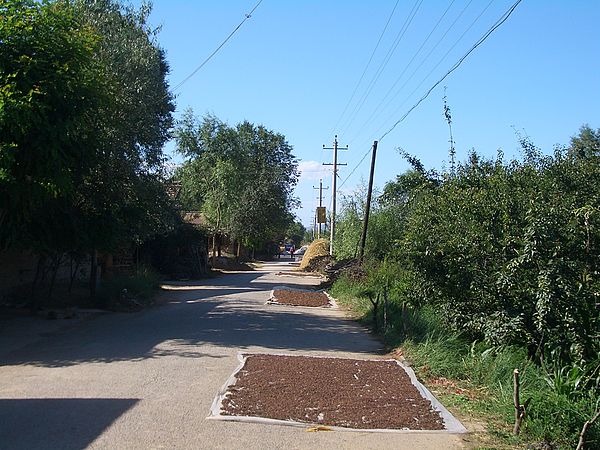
[(147, 380)]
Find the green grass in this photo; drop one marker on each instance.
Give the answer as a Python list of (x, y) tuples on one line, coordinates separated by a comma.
[(482, 377)]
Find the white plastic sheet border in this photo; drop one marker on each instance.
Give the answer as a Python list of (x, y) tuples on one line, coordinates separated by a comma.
[(451, 424)]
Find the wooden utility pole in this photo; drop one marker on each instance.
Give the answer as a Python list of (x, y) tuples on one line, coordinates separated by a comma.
[(320, 188), (334, 184), (363, 237)]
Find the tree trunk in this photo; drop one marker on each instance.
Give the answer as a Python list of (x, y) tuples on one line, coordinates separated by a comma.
[(214, 250), (520, 410), (385, 309), (73, 272), (33, 303), (405, 318), (586, 426), (55, 267), (93, 273)]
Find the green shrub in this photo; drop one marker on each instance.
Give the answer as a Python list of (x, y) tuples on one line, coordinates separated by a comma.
[(562, 397), (140, 287)]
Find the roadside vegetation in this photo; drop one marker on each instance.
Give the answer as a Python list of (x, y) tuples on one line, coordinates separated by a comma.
[(84, 113), (491, 267), (241, 179)]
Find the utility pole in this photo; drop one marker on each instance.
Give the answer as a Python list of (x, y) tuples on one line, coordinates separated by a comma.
[(334, 184), (320, 188), (363, 237)]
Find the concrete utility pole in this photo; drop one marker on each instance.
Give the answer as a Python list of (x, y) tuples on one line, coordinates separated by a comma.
[(334, 184), (320, 188), (363, 237)]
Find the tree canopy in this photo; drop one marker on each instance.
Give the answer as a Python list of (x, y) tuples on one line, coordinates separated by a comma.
[(84, 113), (506, 252), (242, 178)]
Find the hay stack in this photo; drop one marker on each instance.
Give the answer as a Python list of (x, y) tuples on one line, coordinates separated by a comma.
[(317, 248)]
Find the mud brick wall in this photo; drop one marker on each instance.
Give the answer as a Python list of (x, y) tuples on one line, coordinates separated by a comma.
[(18, 267)]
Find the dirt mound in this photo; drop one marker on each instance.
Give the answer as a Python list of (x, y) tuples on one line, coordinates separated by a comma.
[(352, 268), (318, 264)]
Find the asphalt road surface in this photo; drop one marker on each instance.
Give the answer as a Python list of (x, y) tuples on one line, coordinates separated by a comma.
[(147, 380)]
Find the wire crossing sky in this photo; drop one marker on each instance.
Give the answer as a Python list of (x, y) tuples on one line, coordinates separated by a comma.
[(246, 17), (360, 69)]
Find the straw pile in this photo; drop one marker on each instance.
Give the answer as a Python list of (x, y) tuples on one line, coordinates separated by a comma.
[(316, 249)]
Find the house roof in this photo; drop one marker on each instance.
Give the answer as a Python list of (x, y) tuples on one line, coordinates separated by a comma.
[(194, 218)]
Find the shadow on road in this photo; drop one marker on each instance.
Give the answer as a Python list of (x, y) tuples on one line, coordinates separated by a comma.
[(209, 316), (66, 423)]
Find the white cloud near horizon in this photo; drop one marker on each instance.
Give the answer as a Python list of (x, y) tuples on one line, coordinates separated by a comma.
[(313, 170)]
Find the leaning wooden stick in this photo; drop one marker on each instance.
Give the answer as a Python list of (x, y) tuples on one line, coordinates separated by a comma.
[(584, 430), (519, 409)]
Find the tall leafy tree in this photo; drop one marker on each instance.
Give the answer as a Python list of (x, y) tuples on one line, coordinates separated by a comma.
[(266, 198), (84, 113), (242, 178), (131, 129), (51, 85)]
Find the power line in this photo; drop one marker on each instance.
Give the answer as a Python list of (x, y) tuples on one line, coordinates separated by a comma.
[(383, 65), (366, 67), (500, 21), (355, 167), (433, 69), (374, 114), (246, 17), (496, 25)]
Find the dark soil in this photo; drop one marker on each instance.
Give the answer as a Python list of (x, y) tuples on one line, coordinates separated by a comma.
[(318, 264), (330, 391), (300, 298)]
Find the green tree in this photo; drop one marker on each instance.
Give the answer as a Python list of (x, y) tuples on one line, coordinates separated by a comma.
[(296, 233), (266, 197), (123, 200), (51, 86), (241, 178), (84, 113)]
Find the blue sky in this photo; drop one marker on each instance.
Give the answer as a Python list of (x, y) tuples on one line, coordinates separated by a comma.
[(294, 66)]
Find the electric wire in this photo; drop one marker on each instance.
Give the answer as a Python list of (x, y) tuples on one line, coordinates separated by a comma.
[(442, 59), (246, 17), (383, 64), (366, 67), (481, 40), (355, 167), (374, 114)]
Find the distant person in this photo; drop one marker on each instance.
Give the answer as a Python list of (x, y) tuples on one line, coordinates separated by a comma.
[(292, 250)]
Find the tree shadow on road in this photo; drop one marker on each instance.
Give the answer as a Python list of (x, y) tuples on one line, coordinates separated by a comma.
[(202, 319)]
